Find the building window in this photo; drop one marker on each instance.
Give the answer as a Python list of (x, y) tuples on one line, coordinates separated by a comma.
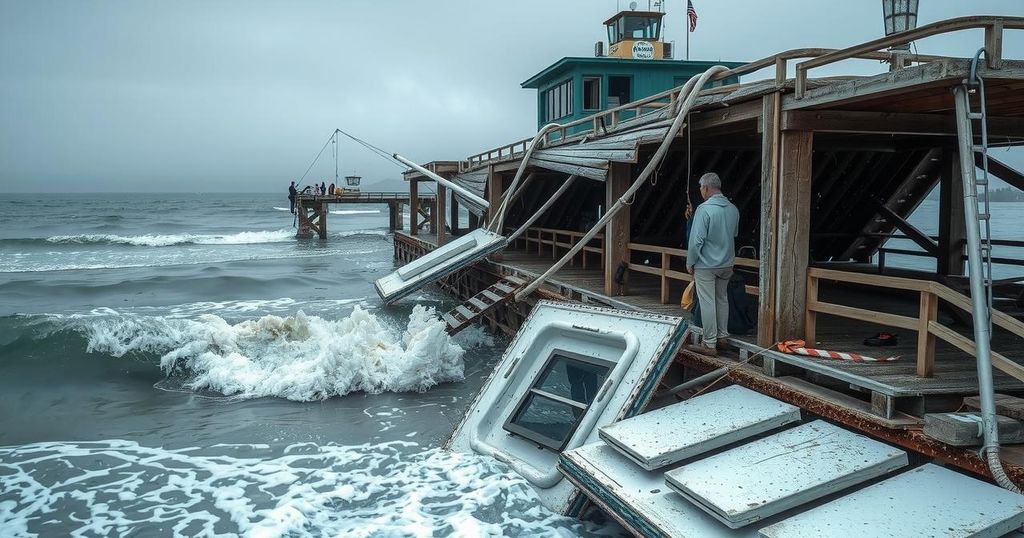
[(591, 93), (559, 101), (618, 91), (556, 403)]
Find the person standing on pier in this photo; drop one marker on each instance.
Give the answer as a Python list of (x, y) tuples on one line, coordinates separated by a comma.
[(292, 192), (710, 256)]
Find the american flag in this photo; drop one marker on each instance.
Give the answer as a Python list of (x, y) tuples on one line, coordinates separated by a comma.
[(691, 15)]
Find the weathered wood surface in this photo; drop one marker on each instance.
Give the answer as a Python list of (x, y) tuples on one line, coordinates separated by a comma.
[(954, 371), (794, 217), (617, 231)]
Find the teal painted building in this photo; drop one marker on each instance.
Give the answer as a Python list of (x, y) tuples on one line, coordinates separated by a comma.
[(638, 65), (574, 88)]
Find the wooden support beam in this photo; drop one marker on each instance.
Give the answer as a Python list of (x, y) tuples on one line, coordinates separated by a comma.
[(708, 119), (414, 207), (322, 225), (440, 213), (994, 44), (952, 226), (495, 188), (858, 122), (794, 219), (770, 139), (929, 311), (453, 218), (616, 232), (917, 236), (1003, 171)]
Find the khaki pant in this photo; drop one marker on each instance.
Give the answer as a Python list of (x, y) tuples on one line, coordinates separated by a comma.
[(712, 292)]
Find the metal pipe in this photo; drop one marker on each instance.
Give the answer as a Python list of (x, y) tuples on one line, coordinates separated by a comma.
[(696, 382), (465, 193), (982, 314), (689, 91), (550, 201)]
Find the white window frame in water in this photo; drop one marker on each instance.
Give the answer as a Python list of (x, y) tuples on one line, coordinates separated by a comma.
[(558, 101), (533, 393)]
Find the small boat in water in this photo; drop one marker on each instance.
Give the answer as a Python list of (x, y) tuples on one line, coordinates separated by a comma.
[(570, 370)]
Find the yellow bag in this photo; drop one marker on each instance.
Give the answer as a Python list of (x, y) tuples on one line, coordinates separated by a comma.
[(687, 301)]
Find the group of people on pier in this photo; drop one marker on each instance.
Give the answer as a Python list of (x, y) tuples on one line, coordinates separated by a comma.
[(319, 190)]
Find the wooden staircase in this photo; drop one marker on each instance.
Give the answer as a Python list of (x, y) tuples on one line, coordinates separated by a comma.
[(475, 307)]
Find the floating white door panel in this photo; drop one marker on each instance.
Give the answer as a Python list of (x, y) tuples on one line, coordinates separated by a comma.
[(765, 477), (927, 501), (438, 263), (699, 425), (571, 369)]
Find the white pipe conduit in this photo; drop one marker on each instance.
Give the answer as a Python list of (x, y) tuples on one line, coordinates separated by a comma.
[(690, 91), (499, 216), (466, 194)]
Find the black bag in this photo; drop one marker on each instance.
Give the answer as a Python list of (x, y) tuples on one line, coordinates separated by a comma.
[(742, 318)]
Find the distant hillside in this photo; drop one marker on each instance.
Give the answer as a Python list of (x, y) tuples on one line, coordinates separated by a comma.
[(1006, 195)]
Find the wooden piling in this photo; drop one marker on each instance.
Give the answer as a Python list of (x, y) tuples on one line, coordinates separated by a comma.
[(616, 232)]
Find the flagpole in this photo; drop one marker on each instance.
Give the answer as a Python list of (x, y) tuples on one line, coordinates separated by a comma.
[(687, 42)]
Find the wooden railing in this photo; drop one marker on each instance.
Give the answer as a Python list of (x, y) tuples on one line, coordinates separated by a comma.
[(363, 197), (610, 120), (925, 324), (993, 27), (565, 239), (667, 274)]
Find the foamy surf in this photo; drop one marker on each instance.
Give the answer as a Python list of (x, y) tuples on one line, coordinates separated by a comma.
[(296, 357), (166, 240), (394, 489), (354, 211)]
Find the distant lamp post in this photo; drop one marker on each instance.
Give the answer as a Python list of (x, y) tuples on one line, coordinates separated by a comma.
[(900, 16)]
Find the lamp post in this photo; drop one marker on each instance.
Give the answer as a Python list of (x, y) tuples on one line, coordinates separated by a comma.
[(899, 16)]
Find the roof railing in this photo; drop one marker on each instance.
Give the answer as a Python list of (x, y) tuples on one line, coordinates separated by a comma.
[(993, 26), (610, 119)]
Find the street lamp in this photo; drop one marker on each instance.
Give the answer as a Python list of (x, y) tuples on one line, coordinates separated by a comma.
[(899, 16)]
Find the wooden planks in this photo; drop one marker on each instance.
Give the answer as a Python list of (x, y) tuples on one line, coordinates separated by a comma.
[(794, 217), (617, 230), (770, 139)]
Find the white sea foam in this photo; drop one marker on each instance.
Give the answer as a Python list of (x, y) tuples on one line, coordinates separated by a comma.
[(393, 489), (282, 208), (297, 357), (354, 211), (234, 307), (165, 240)]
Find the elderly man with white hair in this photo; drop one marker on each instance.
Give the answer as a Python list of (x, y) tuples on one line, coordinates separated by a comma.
[(710, 257)]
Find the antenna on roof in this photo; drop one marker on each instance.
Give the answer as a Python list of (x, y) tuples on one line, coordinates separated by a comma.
[(632, 6)]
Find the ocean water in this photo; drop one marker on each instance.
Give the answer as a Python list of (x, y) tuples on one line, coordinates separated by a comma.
[(1006, 224), (182, 365)]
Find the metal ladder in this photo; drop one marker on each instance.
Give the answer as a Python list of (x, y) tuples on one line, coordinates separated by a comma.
[(977, 207)]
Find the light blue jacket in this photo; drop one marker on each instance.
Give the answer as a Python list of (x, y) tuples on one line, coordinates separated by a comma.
[(712, 242)]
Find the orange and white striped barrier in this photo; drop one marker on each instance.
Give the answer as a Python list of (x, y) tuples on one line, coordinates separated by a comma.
[(799, 347)]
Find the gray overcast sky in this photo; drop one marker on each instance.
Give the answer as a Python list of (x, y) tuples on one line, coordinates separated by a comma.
[(218, 96)]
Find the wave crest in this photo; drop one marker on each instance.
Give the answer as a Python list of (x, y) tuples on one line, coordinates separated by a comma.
[(165, 240), (297, 357)]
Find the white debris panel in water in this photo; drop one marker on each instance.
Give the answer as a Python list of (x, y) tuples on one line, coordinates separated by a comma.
[(438, 263), (686, 429), (927, 501), (782, 471), (571, 369)]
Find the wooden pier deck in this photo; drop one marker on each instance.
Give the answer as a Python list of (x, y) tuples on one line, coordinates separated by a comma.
[(954, 373), (311, 210)]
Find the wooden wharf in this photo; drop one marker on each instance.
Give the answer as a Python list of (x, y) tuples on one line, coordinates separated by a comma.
[(824, 172), (311, 210)]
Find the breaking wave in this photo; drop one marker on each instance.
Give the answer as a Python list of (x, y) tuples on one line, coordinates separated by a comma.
[(296, 357), (354, 211), (394, 489), (165, 240)]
